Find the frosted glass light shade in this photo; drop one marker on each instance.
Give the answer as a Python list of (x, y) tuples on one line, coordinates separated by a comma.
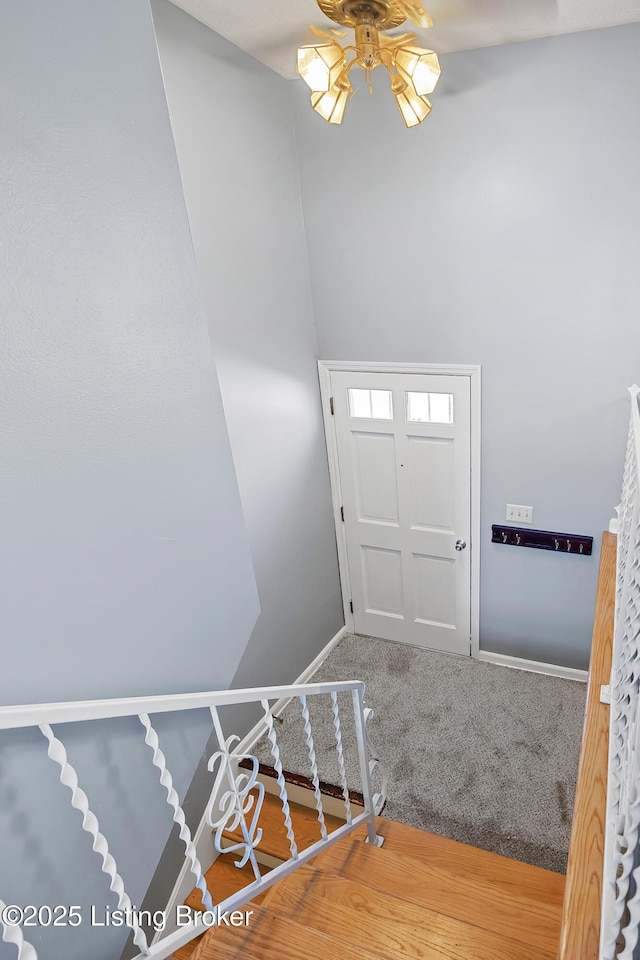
[(320, 65), (331, 104), (412, 107), (420, 68)]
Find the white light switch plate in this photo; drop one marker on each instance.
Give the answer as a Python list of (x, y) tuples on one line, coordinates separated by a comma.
[(516, 513)]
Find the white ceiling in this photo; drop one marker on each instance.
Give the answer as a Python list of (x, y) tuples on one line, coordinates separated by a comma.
[(271, 30)]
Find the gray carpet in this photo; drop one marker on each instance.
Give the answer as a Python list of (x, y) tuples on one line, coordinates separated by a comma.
[(476, 752)]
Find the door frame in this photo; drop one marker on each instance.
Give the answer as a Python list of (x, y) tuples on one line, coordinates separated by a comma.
[(474, 374)]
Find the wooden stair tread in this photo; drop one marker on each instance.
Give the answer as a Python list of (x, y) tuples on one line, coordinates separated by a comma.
[(390, 927), (461, 896), (188, 952), (274, 838), (270, 937), (223, 879), (580, 935), (462, 859)]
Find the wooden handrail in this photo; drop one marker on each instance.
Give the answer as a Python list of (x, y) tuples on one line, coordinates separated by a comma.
[(580, 932)]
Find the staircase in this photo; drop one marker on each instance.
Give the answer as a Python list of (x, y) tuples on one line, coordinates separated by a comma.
[(417, 896)]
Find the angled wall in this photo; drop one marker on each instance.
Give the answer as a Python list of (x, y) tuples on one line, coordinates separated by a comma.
[(232, 121), (503, 231), (126, 569)]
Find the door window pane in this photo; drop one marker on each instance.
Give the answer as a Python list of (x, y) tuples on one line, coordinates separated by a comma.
[(429, 407), (370, 404)]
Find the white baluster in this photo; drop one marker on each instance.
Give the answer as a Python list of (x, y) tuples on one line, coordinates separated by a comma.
[(379, 799), (368, 763), (314, 766), (623, 800), (80, 801), (245, 792), (627, 861), (277, 764), (13, 934), (341, 766), (160, 761)]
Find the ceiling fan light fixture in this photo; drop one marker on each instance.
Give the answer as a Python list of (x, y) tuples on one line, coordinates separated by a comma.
[(421, 68), (325, 66), (320, 65)]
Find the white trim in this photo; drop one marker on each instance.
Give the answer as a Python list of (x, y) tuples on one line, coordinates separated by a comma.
[(324, 373), (476, 443), (256, 732), (473, 371), (533, 666), (431, 369)]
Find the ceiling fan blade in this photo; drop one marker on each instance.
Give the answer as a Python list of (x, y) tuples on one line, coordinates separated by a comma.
[(327, 36), (389, 40), (415, 12)]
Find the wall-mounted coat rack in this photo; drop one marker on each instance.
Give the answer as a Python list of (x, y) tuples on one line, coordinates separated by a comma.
[(542, 540)]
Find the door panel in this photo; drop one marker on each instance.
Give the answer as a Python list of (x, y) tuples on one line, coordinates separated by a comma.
[(434, 586), (374, 465), (431, 480), (382, 581), (404, 460)]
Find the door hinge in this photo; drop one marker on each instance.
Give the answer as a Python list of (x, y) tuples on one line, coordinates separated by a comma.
[(351, 605), (331, 406), (342, 513)]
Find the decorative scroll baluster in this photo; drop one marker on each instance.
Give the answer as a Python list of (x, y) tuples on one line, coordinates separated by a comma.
[(160, 761), (14, 935), (80, 801), (244, 794), (341, 766), (314, 766), (277, 764)]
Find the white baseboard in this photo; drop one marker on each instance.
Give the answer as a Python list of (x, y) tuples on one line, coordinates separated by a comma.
[(551, 669), (249, 742)]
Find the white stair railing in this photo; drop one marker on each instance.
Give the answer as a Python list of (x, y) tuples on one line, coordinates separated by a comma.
[(620, 923), (236, 796)]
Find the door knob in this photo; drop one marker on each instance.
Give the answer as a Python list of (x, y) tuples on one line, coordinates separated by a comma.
[(460, 544)]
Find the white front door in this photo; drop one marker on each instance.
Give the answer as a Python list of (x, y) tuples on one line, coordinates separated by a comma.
[(404, 460)]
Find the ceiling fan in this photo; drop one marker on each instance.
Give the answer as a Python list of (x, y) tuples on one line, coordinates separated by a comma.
[(325, 66)]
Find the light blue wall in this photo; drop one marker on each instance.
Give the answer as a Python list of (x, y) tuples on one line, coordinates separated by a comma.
[(505, 231), (233, 125), (126, 568)]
